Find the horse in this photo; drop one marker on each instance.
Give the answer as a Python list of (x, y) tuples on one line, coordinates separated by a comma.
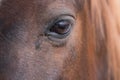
[(59, 40)]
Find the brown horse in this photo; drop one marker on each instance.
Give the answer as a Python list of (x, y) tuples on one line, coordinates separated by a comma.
[(59, 40)]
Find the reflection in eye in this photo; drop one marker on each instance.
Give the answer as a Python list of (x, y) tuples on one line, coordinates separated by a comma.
[(61, 27)]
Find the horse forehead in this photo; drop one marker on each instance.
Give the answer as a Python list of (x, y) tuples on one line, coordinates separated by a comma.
[(55, 2), (51, 1), (41, 3)]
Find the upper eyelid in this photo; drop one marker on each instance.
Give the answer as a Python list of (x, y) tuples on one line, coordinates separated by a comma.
[(65, 15), (60, 17)]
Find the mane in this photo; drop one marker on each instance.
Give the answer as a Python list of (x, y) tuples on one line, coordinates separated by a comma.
[(104, 18)]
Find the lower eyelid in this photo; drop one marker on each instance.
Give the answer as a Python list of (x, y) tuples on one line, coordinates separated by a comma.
[(57, 42), (52, 34)]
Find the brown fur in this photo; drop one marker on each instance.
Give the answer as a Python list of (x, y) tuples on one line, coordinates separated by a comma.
[(90, 53)]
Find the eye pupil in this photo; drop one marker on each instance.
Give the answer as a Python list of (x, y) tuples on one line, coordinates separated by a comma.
[(61, 27)]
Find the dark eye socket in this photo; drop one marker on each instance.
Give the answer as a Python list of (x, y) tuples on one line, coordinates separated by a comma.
[(60, 28)]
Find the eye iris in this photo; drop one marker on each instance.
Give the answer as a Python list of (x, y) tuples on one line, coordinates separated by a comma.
[(61, 27)]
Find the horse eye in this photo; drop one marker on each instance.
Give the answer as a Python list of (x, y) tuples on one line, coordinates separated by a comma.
[(61, 27)]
